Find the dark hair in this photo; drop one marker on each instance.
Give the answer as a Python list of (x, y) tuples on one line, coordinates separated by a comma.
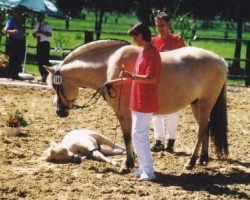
[(164, 16), (140, 28)]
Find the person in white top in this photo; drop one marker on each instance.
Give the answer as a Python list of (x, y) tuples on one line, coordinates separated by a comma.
[(43, 33)]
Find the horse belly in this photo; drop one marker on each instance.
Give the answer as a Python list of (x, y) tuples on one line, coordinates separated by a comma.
[(178, 87)]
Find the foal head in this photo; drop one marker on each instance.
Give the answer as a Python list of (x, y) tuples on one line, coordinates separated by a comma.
[(57, 153)]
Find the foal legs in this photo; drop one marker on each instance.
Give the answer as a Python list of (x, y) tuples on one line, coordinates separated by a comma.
[(105, 141), (97, 155)]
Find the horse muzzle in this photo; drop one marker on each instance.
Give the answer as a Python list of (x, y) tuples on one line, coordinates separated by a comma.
[(62, 112)]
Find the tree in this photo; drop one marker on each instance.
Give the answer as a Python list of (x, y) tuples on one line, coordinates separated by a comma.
[(72, 7), (145, 9), (99, 7), (237, 10)]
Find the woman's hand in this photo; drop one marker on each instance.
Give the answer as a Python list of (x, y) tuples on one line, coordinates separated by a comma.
[(126, 74)]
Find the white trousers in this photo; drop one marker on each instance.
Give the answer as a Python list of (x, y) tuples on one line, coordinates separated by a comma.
[(159, 126), (140, 139)]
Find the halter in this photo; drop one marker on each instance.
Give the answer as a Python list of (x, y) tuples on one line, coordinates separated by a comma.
[(57, 85)]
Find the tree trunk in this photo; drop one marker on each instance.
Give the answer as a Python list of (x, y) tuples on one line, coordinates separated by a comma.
[(247, 67), (99, 13), (236, 63)]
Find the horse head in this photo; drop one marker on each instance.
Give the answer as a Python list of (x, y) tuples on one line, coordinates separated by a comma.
[(66, 91), (86, 66)]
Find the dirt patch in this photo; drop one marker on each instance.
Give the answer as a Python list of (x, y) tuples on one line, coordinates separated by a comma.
[(25, 175)]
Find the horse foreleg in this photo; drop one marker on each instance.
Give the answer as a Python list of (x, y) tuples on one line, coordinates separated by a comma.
[(129, 163)]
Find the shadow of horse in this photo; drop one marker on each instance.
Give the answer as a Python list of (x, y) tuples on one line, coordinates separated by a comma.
[(245, 164), (216, 184), (22, 134)]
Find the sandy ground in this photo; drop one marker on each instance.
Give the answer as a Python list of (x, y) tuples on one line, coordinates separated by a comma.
[(25, 176)]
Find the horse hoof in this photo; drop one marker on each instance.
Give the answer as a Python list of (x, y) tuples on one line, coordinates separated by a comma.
[(123, 170), (188, 166), (203, 163), (191, 163), (203, 160)]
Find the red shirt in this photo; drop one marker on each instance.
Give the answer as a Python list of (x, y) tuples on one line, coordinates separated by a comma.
[(174, 41), (144, 96)]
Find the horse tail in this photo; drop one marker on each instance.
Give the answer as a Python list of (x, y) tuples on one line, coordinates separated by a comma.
[(218, 124)]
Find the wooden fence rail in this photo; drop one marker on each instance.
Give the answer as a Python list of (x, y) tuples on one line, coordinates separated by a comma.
[(89, 36)]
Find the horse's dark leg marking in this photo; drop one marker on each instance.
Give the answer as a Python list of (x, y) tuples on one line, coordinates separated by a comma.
[(129, 163), (204, 159), (191, 164), (202, 117), (204, 152)]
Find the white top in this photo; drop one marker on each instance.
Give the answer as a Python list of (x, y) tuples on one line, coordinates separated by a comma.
[(46, 28)]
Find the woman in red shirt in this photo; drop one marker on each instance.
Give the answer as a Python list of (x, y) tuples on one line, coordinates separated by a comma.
[(143, 97)]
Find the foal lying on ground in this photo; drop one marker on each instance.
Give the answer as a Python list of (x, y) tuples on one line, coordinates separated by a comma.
[(79, 144)]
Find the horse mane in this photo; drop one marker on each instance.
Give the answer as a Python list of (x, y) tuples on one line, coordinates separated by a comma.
[(92, 46)]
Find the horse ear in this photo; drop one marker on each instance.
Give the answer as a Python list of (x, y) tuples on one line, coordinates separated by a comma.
[(50, 69), (52, 152), (53, 143)]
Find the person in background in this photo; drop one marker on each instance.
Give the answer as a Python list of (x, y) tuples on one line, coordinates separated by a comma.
[(43, 33), (165, 41), (15, 44), (143, 97)]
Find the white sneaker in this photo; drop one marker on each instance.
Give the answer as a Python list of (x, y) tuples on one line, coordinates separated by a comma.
[(137, 173), (147, 177)]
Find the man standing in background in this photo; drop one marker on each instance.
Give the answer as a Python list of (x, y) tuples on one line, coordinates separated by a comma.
[(165, 41), (15, 44), (43, 34)]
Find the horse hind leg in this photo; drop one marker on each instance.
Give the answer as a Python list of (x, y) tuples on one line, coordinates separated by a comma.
[(201, 111), (204, 150), (205, 142)]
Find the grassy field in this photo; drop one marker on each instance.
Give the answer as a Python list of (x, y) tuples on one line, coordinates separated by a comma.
[(115, 26)]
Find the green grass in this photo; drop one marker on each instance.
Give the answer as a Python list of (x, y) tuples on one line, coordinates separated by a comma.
[(32, 69), (71, 40), (238, 83)]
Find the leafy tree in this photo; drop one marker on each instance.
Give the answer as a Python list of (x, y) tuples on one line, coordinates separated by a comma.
[(72, 7), (99, 7), (237, 10), (145, 9)]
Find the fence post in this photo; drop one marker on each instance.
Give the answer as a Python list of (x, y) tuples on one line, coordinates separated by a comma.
[(88, 36), (67, 23), (247, 67)]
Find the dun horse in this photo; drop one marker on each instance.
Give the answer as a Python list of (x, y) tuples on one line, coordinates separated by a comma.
[(189, 76)]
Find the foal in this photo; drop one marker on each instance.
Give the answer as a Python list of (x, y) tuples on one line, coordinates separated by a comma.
[(82, 143)]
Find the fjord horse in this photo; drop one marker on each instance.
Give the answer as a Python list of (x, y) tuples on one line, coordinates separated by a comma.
[(189, 76)]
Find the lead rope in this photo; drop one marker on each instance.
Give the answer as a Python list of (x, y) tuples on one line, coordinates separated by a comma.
[(118, 112)]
